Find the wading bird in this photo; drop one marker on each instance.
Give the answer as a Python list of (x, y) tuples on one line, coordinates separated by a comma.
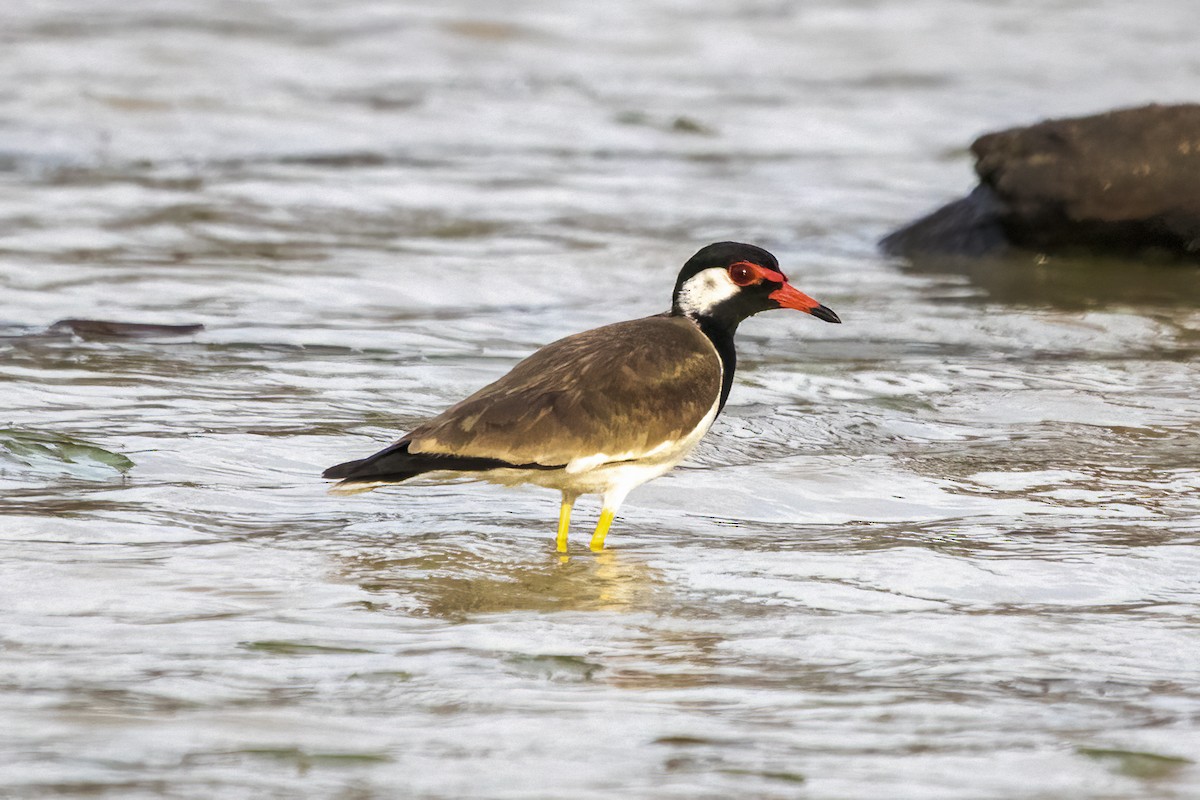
[(602, 411)]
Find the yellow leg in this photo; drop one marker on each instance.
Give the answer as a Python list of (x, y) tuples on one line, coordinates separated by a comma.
[(606, 518), (564, 522)]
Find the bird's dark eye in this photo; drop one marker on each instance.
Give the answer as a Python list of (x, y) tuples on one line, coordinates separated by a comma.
[(743, 273)]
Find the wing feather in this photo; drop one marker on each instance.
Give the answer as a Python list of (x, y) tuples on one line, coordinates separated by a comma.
[(621, 390)]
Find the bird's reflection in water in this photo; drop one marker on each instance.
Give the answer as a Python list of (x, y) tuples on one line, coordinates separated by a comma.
[(457, 581)]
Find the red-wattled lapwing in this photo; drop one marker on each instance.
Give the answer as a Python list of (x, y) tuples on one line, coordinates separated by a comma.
[(606, 410)]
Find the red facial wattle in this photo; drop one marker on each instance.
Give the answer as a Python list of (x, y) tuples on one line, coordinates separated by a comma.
[(747, 273)]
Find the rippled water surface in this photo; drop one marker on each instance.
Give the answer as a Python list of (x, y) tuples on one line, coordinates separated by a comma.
[(948, 549)]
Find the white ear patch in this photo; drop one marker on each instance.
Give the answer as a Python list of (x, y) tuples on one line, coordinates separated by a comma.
[(706, 289)]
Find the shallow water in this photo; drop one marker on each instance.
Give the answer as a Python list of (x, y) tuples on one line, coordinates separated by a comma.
[(945, 550)]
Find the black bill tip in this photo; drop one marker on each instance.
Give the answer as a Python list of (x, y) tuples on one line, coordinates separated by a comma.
[(826, 313)]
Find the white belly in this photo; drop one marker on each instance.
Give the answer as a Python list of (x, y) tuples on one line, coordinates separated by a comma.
[(604, 473)]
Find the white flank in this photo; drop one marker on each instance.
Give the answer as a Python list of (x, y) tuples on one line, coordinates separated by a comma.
[(614, 475), (589, 463)]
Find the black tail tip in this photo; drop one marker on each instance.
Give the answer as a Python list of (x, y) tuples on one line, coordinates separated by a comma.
[(339, 471)]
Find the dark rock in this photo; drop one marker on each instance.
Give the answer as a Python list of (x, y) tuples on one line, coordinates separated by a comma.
[(109, 329), (968, 227), (1122, 183)]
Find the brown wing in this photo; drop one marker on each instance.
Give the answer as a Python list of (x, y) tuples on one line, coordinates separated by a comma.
[(620, 389)]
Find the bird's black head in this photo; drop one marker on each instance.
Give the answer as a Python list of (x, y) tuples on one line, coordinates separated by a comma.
[(728, 281)]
